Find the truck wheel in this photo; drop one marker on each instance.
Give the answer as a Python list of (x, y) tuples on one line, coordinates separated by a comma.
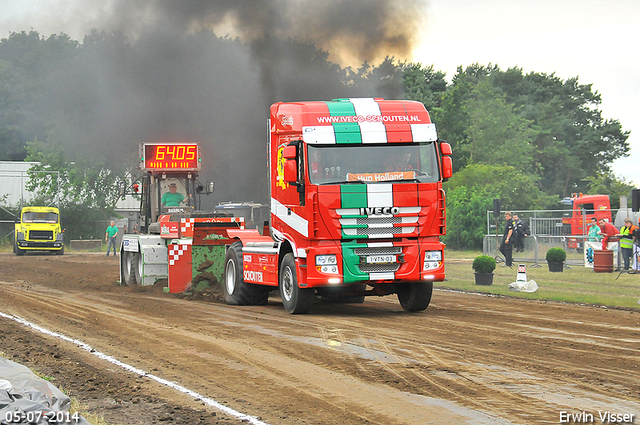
[(61, 252), (130, 272), (17, 250), (415, 296), (236, 290), (295, 300)]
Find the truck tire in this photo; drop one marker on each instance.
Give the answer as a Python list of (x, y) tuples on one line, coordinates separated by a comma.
[(19, 252), (236, 290), (295, 300), (61, 251), (415, 296)]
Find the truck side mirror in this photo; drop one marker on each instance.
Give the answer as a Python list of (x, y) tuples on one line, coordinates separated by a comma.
[(447, 167), (290, 152), (445, 148), (290, 170)]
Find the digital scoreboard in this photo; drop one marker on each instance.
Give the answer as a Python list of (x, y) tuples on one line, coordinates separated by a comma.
[(180, 156)]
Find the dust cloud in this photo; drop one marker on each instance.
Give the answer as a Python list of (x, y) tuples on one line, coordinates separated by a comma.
[(207, 71)]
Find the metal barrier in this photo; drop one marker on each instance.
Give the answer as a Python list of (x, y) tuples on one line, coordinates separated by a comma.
[(536, 247), (540, 222)]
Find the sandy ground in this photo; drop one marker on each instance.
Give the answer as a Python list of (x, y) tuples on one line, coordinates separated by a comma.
[(466, 359)]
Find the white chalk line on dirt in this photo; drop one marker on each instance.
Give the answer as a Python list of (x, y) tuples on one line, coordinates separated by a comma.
[(209, 401)]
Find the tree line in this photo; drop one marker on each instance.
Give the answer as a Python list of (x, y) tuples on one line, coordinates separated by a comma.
[(81, 108)]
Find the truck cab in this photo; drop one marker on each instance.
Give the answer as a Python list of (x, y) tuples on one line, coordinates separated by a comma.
[(579, 210), (38, 229)]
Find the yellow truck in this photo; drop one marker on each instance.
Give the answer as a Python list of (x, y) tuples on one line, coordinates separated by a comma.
[(38, 230)]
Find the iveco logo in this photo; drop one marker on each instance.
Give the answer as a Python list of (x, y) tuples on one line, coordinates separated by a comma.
[(379, 210)]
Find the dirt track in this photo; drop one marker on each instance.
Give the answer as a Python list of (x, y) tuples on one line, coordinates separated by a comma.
[(466, 359)]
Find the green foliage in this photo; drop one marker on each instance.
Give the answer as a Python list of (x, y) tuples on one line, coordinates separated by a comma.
[(608, 183), (553, 128), (466, 220), (84, 190), (27, 60), (424, 84), (556, 255), (484, 264), (84, 181), (470, 194), (496, 135)]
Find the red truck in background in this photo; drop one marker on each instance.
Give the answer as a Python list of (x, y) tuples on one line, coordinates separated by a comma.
[(356, 208), (580, 210)]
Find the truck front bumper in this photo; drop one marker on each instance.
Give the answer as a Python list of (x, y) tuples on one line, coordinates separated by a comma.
[(40, 245)]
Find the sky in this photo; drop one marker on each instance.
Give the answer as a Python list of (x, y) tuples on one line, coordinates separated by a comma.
[(593, 40)]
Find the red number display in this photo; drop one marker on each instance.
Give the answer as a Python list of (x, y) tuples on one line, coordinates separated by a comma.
[(170, 157)]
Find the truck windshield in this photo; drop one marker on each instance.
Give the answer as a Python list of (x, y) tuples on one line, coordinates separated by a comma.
[(39, 217), (410, 162)]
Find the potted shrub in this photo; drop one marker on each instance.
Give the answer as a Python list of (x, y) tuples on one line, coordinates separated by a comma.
[(555, 259), (483, 266)]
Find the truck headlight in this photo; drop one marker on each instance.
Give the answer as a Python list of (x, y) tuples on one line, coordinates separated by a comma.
[(327, 264), (432, 260)]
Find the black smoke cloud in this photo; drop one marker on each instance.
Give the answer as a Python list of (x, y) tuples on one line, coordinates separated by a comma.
[(155, 70)]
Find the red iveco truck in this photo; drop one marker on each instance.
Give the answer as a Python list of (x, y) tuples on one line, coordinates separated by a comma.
[(356, 208), (580, 209)]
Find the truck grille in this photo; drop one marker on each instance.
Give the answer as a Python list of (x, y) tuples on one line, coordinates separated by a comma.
[(378, 220), (354, 224), (375, 231), (384, 250), (41, 235)]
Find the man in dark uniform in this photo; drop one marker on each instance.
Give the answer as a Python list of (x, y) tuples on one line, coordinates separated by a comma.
[(520, 231), (506, 247)]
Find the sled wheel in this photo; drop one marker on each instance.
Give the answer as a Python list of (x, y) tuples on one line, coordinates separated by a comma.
[(131, 268)]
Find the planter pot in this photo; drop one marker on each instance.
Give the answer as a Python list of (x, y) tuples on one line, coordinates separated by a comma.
[(484, 278), (556, 267)]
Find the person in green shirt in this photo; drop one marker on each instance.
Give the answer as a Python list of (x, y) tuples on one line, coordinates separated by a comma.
[(110, 237), (172, 198), (594, 230)]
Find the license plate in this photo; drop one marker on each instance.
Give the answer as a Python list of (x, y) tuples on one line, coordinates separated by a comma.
[(380, 259)]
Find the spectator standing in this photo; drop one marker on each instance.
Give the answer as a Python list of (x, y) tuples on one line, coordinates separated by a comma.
[(506, 247), (521, 230), (626, 241), (607, 230), (594, 231), (110, 237)]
